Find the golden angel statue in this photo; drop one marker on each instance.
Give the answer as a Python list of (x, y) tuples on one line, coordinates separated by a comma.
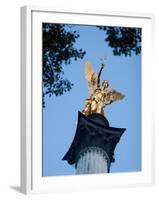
[(100, 94)]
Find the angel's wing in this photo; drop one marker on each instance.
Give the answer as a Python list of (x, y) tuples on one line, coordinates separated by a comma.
[(91, 77), (112, 96), (117, 95)]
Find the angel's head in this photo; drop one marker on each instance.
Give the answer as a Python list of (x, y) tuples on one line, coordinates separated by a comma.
[(105, 84)]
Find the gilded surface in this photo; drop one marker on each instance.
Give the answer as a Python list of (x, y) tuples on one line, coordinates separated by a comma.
[(100, 94)]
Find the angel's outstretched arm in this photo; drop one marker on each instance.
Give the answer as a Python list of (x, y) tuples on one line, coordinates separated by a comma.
[(99, 74)]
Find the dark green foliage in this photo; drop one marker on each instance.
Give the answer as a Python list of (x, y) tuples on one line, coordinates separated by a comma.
[(58, 50), (123, 40)]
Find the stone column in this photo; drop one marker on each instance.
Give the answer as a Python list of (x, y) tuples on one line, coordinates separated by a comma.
[(92, 160)]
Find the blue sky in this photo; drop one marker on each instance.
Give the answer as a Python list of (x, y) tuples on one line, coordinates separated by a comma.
[(60, 114)]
